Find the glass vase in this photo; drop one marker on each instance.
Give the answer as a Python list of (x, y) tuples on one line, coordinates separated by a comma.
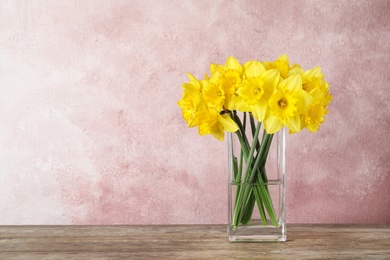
[(256, 186)]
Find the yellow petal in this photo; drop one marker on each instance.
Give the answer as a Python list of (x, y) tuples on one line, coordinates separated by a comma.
[(233, 64), (241, 105), (190, 88), (296, 70), (283, 65), (304, 100), (294, 124), (228, 123), (218, 133), (203, 129), (191, 77), (216, 67), (272, 124), (293, 83), (259, 110), (271, 81), (253, 68), (314, 73)]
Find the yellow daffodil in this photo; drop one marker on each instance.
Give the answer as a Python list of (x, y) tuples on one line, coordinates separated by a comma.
[(282, 64), (256, 89), (230, 77), (201, 106), (192, 103), (313, 79), (286, 104), (216, 124), (316, 111), (214, 93), (314, 84), (314, 116)]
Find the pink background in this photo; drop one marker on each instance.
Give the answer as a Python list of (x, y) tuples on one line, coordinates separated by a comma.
[(90, 132)]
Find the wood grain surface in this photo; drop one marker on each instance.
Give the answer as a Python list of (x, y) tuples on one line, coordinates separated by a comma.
[(191, 242)]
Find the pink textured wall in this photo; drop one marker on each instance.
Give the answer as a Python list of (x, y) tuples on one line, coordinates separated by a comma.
[(90, 132)]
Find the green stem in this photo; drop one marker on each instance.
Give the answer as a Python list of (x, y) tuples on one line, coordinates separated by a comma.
[(239, 177), (244, 192), (261, 156), (242, 129), (247, 213), (253, 126), (262, 188), (265, 155), (260, 206), (267, 200)]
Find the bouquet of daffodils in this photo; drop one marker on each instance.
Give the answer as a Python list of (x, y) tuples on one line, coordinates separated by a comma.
[(274, 94)]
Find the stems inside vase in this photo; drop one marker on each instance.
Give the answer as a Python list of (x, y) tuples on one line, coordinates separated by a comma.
[(252, 183)]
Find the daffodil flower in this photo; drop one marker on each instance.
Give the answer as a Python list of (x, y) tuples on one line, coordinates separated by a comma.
[(314, 116), (314, 84), (282, 64), (256, 89), (286, 104), (192, 103), (212, 122), (230, 77), (213, 92)]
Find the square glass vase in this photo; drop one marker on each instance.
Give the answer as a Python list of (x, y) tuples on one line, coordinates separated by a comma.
[(257, 196)]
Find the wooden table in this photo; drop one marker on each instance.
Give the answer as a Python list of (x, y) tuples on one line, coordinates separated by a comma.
[(191, 242)]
